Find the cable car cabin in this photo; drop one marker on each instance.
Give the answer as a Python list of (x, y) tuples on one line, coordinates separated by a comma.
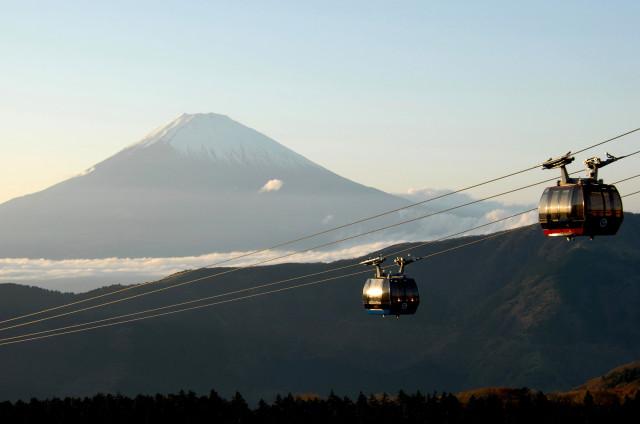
[(580, 206), (580, 210), (390, 294), (395, 295)]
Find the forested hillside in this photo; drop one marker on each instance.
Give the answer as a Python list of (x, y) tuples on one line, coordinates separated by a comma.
[(519, 310)]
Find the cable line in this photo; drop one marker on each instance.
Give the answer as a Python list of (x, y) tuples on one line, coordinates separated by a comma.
[(304, 238), (630, 178), (260, 262), (606, 141), (183, 310), (273, 259), (267, 248), (281, 281), (462, 232), (252, 288), (39, 335)]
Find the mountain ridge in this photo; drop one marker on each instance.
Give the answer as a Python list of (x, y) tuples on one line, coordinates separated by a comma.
[(519, 310)]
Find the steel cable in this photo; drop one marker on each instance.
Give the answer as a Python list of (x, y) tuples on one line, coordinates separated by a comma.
[(296, 240)]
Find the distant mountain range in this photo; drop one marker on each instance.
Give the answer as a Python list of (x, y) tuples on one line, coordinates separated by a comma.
[(519, 310), (202, 183)]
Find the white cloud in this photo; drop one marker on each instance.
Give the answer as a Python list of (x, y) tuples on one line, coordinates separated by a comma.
[(425, 191), (458, 217), (272, 185), (83, 173), (79, 275), (327, 219), (496, 214), (63, 275), (85, 274), (88, 171)]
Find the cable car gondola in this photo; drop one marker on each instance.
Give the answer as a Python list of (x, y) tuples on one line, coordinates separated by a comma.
[(392, 294), (580, 206)]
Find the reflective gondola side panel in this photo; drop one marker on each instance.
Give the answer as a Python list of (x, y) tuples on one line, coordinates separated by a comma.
[(375, 296), (603, 210), (405, 297), (561, 210)]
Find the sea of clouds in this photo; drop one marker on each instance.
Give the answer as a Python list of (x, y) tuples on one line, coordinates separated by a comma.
[(78, 275)]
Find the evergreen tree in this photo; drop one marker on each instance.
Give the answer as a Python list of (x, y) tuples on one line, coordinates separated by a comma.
[(239, 410)]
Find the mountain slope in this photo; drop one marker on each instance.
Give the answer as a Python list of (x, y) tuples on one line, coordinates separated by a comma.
[(520, 310), (202, 183), (624, 377)]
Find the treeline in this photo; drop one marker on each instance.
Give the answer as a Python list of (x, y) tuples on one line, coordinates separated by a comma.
[(521, 406)]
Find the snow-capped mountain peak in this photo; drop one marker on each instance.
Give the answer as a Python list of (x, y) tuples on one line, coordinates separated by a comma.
[(199, 184), (221, 139)]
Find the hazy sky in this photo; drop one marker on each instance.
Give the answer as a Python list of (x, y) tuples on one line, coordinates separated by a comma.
[(395, 95)]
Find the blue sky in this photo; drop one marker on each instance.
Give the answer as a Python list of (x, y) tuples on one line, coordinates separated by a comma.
[(395, 95)]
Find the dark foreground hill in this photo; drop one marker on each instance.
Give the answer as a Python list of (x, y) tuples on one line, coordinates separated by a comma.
[(519, 310)]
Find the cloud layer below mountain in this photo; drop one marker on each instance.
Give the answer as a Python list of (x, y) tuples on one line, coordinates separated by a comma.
[(80, 275)]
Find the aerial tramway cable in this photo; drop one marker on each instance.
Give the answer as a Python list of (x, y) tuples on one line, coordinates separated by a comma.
[(60, 331), (40, 335), (290, 242), (269, 248), (251, 265), (22, 337), (305, 237), (605, 141)]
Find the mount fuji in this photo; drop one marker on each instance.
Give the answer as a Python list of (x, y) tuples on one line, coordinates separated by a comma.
[(202, 183)]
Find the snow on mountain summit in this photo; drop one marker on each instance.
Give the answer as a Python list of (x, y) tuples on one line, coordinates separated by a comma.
[(221, 139)]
